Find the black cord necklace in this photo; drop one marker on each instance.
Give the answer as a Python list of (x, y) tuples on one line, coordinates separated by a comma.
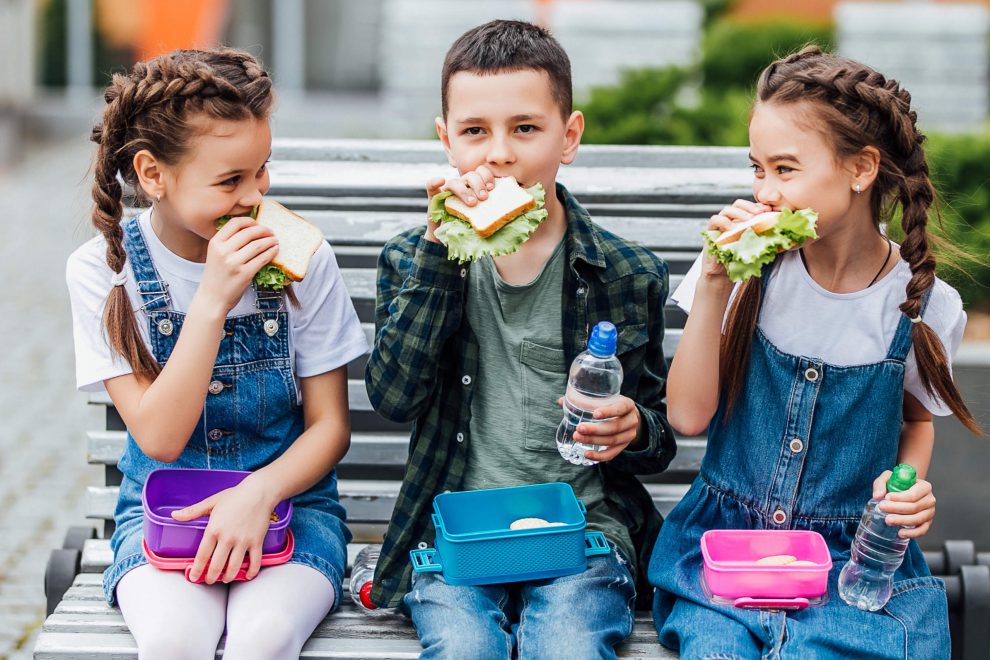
[(890, 250)]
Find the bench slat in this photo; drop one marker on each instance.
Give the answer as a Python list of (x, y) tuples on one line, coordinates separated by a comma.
[(366, 501)]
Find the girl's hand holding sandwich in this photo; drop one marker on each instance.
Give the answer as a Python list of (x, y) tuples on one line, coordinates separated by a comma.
[(741, 210), (620, 431), (235, 253)]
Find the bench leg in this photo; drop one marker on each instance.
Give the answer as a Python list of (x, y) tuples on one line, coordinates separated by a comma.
[(975, 613), (63, 565)]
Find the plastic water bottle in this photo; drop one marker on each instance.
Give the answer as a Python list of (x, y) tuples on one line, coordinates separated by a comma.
[(593, 381), (362, 574), (866, 580)]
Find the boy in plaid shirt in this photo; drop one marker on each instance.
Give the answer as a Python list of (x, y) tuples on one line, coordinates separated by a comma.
[(476, 356)]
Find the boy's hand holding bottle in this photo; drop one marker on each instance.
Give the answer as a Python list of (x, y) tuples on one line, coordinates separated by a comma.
[(912, 509), (239, 519)]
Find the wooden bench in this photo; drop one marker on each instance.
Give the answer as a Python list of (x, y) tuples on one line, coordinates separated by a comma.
[(361, 193)]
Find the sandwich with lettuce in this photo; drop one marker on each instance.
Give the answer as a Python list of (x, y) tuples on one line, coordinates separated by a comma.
[(494, 226), (749, 245), (298, 241)]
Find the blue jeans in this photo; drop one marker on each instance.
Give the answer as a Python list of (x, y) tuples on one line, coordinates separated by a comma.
[(572, 617)]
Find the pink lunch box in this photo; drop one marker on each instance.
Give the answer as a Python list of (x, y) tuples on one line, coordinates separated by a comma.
[(732, 576)]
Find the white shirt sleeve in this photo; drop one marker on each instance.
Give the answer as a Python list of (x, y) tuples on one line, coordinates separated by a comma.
[(88, 279), (327, 332), (946, 316), (683, 295)]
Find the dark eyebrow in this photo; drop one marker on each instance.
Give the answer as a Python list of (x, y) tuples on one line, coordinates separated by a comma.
[(777, 158), (229, 173)]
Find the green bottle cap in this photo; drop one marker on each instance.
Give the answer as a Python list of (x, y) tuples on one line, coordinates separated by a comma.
[(902, 478)]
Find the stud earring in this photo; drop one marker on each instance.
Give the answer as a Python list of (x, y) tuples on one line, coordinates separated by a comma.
[(857, 188)]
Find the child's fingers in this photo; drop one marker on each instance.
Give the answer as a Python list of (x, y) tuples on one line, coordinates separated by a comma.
[(750, 206), (254, 556), (233, 226), (907, 508), (915, 532), (198, 510), (487, 176), (203, 554), (462, 191), (916, 492), (612, 449), (719, 223), (262, 259), (434, 186), (247, 253), (477, 184), (912, 520), (880, 485), (620, 408), (247, 235), (218, 560), (234, 563)]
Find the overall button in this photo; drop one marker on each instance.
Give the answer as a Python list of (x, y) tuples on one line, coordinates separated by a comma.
[(797, 445), (214, 434), (165, 327), (216, 387), (811, 374), (460, 437), (271, 327), (466, 380), (779, 517)]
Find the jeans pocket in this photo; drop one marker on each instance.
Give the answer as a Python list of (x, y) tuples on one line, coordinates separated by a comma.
[(544, 379), (920, 606)]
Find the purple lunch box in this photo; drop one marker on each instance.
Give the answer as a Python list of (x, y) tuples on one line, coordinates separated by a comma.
[(170, 489)]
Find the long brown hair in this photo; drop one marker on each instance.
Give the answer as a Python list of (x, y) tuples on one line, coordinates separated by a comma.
[(150, 108), (859, 107)]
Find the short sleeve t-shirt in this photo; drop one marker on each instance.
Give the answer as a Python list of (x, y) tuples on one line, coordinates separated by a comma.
[(802, 318), (325, 332)]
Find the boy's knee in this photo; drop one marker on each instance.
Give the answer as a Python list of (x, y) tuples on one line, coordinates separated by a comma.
[(465, 643)]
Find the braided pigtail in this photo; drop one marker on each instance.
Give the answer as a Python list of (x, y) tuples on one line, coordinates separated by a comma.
[(862, 108), (119, 321), (150, 109)]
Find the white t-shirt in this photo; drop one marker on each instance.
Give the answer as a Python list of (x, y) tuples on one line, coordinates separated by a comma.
[(324, 329), (801, 318)]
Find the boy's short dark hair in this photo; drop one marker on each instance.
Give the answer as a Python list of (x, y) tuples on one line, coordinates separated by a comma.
[(503, 45)]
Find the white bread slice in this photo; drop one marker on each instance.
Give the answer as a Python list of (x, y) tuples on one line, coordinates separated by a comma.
[(298, 239), (506, 202), (758, 223)]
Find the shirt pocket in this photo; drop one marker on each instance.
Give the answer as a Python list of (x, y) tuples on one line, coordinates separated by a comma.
[(631, 337), (544, 379)]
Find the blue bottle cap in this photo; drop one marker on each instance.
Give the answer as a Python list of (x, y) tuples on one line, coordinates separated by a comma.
[(602, 342)]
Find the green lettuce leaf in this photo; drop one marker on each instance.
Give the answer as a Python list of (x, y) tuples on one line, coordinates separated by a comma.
[(269, 277), (464, 244), (746, 257)]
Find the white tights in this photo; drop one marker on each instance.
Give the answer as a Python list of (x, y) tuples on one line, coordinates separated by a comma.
[(268, 618)]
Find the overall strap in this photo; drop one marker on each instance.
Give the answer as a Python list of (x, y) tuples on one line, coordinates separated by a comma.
[(153, 289), (901, 344), (268, 299)]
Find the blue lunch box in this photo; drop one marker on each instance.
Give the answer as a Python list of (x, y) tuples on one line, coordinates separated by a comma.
[(474, 544)]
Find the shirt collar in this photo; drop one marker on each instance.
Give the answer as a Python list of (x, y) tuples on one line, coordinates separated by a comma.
[(582, 236)]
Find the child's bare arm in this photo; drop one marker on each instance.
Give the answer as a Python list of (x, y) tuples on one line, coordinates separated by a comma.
[(914, 507), (239, 517), (162, 414)]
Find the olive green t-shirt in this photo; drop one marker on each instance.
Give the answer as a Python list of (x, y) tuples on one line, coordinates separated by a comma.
[(521, 374)]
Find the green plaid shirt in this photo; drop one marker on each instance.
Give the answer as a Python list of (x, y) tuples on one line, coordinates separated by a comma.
[(425, 358)]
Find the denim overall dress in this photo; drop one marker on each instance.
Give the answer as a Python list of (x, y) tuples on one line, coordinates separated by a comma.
[(800, 450), (251, 416)]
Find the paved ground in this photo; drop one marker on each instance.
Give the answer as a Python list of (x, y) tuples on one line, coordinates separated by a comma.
[(43, 471)]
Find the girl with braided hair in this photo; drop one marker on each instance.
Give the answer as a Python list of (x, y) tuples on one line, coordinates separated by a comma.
[(207, 369), (816, 377)]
